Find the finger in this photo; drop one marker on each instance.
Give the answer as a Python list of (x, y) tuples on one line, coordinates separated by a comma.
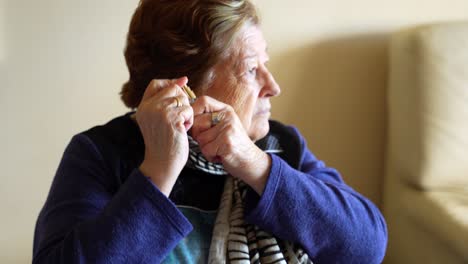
[(201, 123), (176, 87), (183, 117), (181, 81), (166, 98), (154, 87), (171, 91), (206, 104), (217, 143), (210, 151), (157, 104), (204, 122), (157, 85), (184, 99), (177, 101), (209, 135), (165, 105)]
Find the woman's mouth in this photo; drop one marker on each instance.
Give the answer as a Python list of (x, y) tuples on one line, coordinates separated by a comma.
[(265, 111)]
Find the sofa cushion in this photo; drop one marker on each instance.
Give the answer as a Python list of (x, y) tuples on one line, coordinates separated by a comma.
[(428, 105), (441, 213)]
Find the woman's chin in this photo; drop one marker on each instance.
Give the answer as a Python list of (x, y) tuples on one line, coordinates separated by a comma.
[(259, 129)]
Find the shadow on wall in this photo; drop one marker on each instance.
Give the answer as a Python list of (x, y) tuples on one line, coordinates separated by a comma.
[(335, 92)]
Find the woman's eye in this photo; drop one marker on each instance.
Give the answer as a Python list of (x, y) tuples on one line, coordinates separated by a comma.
[(253, 70)]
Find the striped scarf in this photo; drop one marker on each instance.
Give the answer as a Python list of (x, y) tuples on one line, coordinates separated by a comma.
[(234, 240)]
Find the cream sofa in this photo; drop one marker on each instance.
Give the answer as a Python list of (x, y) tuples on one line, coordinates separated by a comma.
[(426, 185)]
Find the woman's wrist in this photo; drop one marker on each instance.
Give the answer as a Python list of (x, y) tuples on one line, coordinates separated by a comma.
[(163, 179), (259, 173)]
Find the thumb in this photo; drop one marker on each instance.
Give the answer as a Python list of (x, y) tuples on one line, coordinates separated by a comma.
[(181, 81)]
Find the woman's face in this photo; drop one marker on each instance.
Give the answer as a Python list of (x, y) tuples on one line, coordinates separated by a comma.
[(244, 82)]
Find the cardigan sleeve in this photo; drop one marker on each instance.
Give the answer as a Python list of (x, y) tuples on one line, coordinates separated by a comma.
[(82, 221), (314, 208)]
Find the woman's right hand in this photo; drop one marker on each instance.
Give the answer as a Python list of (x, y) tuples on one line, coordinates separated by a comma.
[(164, 127)]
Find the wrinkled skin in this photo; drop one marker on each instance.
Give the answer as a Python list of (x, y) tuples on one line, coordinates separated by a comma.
[(242, 89)]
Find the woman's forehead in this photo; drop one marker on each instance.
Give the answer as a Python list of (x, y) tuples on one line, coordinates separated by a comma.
[(251, 43)]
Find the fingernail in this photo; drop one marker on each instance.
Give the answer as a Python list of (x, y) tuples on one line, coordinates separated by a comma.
[(183, 78)]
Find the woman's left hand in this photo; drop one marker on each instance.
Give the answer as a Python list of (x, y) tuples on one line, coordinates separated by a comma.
[(229, 143)]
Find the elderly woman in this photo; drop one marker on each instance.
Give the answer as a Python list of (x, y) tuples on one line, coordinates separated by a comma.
[(211, 180)]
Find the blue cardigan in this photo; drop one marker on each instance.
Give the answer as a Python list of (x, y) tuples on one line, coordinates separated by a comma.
[(102, 209)]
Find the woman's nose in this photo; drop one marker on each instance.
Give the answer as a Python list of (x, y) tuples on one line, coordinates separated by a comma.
[(270, 87)]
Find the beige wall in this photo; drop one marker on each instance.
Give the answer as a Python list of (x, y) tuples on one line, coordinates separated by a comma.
[(61, 67)]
